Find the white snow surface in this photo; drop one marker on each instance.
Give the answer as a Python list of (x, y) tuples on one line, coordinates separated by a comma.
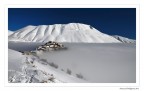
[(95, 62), (10, 32), (31, 69), (124, 39), (72, 32)]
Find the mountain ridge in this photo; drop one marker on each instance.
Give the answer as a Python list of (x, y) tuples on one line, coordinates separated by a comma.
[(124, 39), (71, 32)]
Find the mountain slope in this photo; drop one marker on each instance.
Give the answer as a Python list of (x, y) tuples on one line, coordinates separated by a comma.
[(72, 32), (124, 39), (31, 69), (10, 32)]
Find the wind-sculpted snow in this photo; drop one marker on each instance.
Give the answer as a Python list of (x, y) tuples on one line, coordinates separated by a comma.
[(72, 32)]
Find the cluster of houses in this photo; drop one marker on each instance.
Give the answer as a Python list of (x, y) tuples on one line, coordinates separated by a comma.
[(51, 45), (46, 47)]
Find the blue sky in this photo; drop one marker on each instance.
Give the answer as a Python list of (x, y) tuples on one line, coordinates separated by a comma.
[(112, 21)]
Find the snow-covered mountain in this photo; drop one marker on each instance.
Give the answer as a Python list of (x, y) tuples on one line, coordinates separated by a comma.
[(124, 39), (10, 32), (72, 32)]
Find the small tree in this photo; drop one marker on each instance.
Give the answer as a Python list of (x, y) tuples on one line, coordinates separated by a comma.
[(69, 71), (62, 69), (79, 76), (53, 65)]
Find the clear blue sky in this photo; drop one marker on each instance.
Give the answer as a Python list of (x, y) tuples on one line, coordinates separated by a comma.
[(112, 21)]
